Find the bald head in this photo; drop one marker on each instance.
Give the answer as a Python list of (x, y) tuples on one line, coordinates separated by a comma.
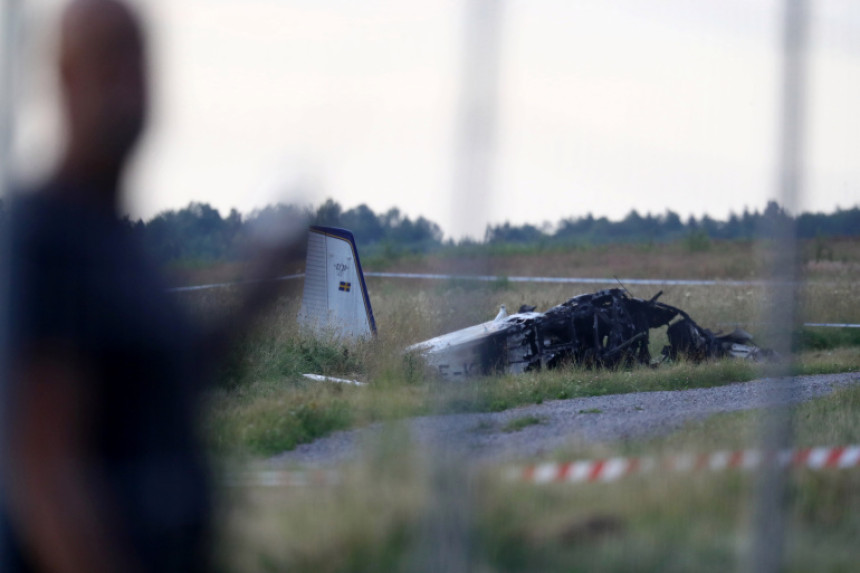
[(103, 80)]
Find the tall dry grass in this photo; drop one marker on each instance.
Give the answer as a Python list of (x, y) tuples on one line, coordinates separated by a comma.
[(263, 405), (821, 258), (379, 517)]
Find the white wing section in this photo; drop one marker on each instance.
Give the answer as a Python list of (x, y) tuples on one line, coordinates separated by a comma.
[(477, 350), (335, 300)]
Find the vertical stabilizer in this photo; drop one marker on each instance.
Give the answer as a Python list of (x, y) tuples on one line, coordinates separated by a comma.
[(335, 300)]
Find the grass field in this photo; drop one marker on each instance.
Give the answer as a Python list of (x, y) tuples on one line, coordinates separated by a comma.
[(740, 260), (388, 512), (264, 406), (390, 507), (677, 260)]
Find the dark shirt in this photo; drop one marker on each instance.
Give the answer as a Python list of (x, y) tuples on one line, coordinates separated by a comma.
[(78, 280)]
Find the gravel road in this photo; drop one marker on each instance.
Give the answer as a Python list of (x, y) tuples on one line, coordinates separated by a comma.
[(596, 419)]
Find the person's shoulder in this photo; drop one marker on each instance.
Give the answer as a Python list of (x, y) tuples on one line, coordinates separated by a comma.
[(33, 213), (52, 204), (44, 223), (34, 200)]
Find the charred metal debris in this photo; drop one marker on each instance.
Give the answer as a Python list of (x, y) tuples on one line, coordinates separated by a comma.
[(610, 328)]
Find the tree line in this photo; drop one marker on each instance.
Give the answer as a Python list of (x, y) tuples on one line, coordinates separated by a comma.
[(669, 227), (200, 233)]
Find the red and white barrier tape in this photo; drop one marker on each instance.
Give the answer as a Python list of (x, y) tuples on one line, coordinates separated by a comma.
[(602, 470), (612, 469)]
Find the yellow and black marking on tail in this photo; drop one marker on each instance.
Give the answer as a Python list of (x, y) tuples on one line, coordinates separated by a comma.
[(344, 286)]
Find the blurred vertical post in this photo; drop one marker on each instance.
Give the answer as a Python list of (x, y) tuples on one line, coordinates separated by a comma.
[(446, 543), (8, 45), (477, 115), (768, 543)]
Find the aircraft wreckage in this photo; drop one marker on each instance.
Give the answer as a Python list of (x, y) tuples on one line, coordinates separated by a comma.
[(608, 328)]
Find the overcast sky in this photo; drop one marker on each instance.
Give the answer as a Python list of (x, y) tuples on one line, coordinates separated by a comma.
[(604, 106)]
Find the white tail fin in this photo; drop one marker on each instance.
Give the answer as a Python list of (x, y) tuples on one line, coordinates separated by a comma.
[(335, 299)]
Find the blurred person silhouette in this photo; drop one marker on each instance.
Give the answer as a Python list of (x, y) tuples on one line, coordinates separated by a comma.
[(103, 468)]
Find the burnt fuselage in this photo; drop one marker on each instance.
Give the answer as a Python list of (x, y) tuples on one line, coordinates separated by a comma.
[(608, 328)]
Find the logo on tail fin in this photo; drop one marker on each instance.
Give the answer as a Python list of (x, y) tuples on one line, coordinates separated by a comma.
[(332, 257)]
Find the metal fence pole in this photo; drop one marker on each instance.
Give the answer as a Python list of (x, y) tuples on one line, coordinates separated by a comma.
[(766, 553), (9, 10), (8, 45), (477, 114), (446, 542)]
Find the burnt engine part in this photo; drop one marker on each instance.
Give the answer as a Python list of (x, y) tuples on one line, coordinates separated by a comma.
[(607, 328), (610, 328)]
